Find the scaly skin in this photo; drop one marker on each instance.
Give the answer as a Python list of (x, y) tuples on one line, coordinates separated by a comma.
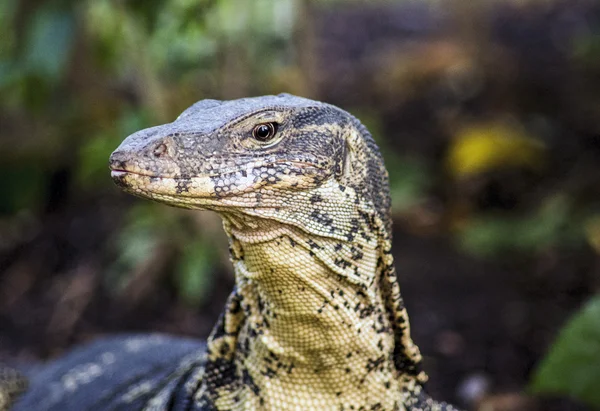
[(315, 321), (12, 383)]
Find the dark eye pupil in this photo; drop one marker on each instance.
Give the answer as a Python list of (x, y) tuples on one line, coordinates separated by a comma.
[(264, 132)]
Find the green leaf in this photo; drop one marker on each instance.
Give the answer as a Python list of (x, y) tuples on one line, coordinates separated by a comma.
[(572, 367)]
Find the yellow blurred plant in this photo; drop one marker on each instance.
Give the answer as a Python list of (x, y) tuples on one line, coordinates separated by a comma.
[(480, 148)]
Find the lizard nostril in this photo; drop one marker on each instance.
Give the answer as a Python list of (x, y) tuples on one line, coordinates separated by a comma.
[(160, 150), (117, 161)]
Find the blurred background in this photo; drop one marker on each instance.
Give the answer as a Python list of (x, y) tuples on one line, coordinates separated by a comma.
[(488, 115)]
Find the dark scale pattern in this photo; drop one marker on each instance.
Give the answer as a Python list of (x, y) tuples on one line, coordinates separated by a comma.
[(120, 373), (12, 383), (316, 320)]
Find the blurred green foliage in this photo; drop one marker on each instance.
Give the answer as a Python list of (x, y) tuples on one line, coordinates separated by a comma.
[(94, 152), (22, 187), (138, 239), (195, 271), (150, 239), (409, 182), (571, 366), (554, 224), (78, 76)]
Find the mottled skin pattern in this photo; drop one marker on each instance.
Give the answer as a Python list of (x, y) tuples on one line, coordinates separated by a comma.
[(315, 321), (12, 383)]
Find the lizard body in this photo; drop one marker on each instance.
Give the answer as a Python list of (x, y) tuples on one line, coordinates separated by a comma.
[(315, 321)]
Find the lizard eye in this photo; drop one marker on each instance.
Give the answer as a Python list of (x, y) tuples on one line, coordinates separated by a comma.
[(264, 132)]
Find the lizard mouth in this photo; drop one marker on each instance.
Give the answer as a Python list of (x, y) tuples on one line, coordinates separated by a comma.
[(232, 182), (121, 177), (118, 171)]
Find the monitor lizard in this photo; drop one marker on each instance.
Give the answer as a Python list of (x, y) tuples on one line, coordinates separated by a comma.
[(315, 320)]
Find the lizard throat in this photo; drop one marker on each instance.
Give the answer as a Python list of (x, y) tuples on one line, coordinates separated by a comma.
[(301, 324)]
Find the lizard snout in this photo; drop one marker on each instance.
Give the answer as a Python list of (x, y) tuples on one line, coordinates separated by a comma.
[(117, 161), (154, 158)]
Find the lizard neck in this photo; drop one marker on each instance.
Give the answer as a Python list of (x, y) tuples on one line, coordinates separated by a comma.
[(308, 326)]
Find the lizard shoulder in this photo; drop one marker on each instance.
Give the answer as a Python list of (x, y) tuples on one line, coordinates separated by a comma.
[(113, 372)]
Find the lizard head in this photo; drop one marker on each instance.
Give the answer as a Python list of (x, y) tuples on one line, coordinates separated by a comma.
[(273, 161), (273, 156)]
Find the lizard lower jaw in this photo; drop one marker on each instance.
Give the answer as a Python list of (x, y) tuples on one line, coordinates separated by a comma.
[(181, 192), (117, 173), (119, 177)]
